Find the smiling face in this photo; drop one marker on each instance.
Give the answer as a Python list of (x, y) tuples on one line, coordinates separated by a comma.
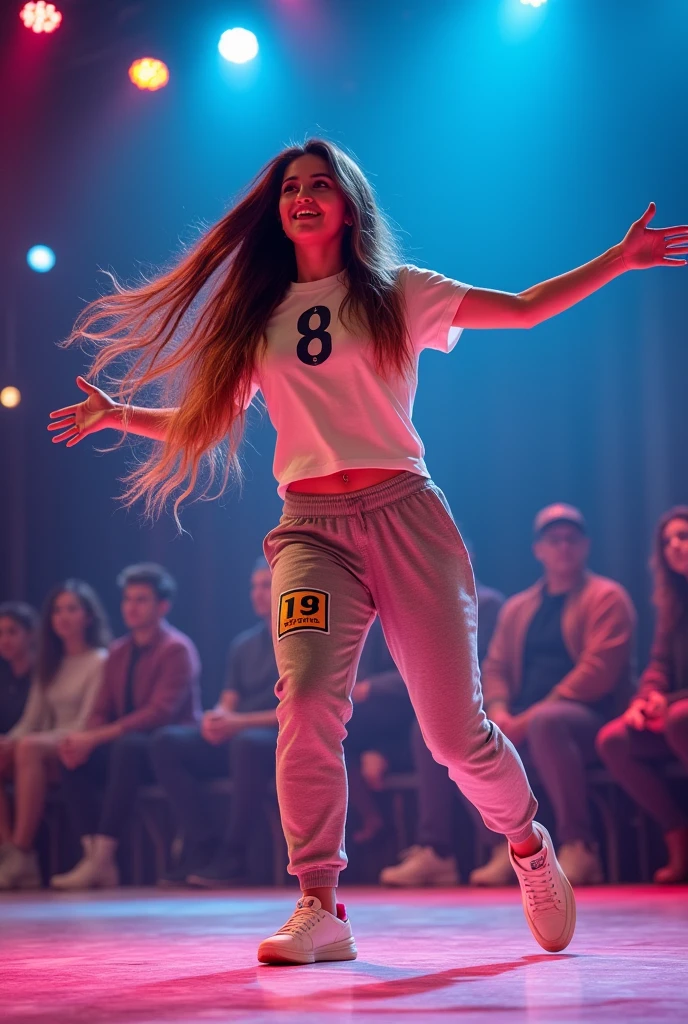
[(675, 544), (312, 207)]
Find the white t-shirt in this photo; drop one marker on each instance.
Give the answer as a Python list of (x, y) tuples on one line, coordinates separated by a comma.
[(330, 407)]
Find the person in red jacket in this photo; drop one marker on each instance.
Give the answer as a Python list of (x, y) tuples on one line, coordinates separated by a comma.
[(654, 728), (559, 666), (151, 679)]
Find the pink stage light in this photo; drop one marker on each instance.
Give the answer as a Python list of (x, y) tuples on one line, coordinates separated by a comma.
[(149, 73), (40, 16)]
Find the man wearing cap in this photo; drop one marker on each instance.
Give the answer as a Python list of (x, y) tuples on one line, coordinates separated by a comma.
[(558, 667)]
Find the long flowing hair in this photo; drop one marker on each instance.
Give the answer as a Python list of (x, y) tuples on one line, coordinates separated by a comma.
[(670, 588), (50, 646), (199, 350)]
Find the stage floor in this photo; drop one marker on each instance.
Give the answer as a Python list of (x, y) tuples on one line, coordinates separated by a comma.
[(137, 955)]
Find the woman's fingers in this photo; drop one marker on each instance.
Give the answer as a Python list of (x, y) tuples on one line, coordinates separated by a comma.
[(673, 249), (671, 262), (68, 410), (90, 389), (680, 230), (69, 421), (72, 432)]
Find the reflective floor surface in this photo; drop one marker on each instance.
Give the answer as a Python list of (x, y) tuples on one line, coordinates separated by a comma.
[(441, 955)]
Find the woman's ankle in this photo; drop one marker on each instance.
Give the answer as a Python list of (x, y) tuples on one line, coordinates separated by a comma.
[(326, 895), (531, 845)]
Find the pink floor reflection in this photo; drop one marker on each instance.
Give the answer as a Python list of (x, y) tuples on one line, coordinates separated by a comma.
[(139, 956)]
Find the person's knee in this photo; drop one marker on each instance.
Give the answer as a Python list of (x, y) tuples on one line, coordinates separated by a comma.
[(165, 745), (676, 728), (305, 694), (547, 723), (612, 741), (30, 749)]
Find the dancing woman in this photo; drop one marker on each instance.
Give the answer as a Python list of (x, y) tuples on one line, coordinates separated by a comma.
[(304, 299)]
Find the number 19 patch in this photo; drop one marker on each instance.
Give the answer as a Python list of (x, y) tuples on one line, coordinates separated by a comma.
[(302, 610)]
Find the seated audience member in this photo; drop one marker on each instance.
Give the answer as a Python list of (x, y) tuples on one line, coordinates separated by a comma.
[(18, 629), (655, 726), (559, 667), (378, 733), (151, 679), (431, 861), (238, 739), (72, 650)]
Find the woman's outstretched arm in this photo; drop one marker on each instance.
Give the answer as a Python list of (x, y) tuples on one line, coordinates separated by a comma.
[(643, 247), (99, 411)]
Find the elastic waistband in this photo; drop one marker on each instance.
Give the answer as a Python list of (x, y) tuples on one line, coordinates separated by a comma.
[(313, 506)]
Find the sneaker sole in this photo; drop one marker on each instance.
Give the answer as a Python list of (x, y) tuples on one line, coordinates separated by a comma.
[(344, 950)]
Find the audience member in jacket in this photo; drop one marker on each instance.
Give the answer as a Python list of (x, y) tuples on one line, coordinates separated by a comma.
[(431, 860), (559, 667), (237, 739), (151, 679), (655, 726), (72, 648)]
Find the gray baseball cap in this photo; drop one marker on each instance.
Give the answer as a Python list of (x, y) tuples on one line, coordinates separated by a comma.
[(559, 513)]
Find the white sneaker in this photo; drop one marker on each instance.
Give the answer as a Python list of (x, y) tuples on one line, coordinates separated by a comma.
[(548, 899), (496, 872), (580, 864), (19, 870), (310, 936), (96, 869), (420, 866)]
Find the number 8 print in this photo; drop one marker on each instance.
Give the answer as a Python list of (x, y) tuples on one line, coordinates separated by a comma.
[(308, 334)]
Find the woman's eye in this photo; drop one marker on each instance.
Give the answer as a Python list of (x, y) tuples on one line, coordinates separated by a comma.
[(325, 183)]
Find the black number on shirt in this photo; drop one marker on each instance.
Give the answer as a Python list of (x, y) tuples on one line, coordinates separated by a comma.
[(309, 334)]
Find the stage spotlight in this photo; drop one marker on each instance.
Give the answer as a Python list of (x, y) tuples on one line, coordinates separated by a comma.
[(40, 258), (238, 45), (533, 3), (40, 17), (149, 73), (10, 397)]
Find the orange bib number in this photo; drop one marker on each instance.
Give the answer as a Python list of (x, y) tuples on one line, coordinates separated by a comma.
[(303, 609)]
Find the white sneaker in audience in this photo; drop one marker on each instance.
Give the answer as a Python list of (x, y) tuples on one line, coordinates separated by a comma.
[(311, 935), (19, 869), (96, 870), (421, 866), (581, 864), (548, 900), (496, 872)]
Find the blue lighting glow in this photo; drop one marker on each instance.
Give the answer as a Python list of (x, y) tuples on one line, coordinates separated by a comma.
[(533, 3), (40, 258), (238, 45)]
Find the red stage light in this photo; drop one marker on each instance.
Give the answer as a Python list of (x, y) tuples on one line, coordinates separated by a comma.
[(40, 17), (149, 73)]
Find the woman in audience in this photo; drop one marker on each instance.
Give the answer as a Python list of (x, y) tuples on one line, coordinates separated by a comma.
[(72, 650), (655, 726), (18, 628)]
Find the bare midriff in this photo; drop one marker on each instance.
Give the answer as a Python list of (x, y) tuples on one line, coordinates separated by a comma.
[(344, 481)]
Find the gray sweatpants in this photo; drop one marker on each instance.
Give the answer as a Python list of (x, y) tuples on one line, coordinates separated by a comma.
[(336, 560)]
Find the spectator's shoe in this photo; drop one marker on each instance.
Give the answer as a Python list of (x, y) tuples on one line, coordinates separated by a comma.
[(581, 863), (193, 859), (19, 869), (223, 870), (96, 870), (421, 866), (676, 870), (548, 899), (310, 936), (496, 872)]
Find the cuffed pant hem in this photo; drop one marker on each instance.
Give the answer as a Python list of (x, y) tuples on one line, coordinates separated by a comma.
[(319, 877), (520, 837)]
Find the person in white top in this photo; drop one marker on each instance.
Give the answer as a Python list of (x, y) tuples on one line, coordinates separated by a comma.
[(72, 648), (299, 292)]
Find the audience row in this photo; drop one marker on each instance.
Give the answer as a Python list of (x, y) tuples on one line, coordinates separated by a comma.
[(100, 719)]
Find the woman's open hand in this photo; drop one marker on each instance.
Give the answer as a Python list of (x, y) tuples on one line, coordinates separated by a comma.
[(645, 247), (78, 421)]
